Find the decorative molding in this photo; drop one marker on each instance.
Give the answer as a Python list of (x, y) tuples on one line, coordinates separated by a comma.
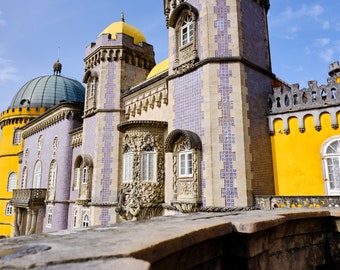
[(145, 100), (77, 138), (141, 199), (51, 117)]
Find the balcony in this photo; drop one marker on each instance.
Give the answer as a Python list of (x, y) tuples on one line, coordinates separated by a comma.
[(28, 198)]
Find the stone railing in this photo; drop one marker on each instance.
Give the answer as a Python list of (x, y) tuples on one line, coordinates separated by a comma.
[(28, 197), (275, 202), (282, 239)]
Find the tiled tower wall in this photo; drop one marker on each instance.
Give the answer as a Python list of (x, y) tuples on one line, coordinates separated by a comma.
[(101, 137), (225, 102), (255, 48)]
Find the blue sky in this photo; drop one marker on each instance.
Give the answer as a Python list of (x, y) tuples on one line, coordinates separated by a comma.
[(304, 36)]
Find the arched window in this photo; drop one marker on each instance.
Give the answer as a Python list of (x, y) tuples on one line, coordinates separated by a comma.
[(85, 221), (37, 175), (49, 217), (75, 218), (92, 87), (24, 177), (331, 165), (11, 183), (149, 161), (53, 174), (9, 209), (17, 136), (187, 31), (85, 175), (127, 164)]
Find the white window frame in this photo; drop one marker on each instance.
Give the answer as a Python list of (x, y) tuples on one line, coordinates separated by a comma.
[(85, 175), (85, 220), (75, 218), (77, 176), (37, 175), (49, 217), (187, 31), (128, 165), (24, 177), (53, 174), (9, 209), (11, 183), (149, 161), (331, 166), (17, 136), (185, 163), (92, 88)]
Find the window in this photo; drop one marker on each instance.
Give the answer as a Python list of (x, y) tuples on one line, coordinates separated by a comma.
[(127, 164), (85, 222), (148, 168), (11, 181), (49, 217), (9, 210), (75, 218), (24, 178), (77, 178), (53, 174), (331, 163), (17, 136), (185, 164), (85, 175), (92, 87), (187, 31), (37, 175)]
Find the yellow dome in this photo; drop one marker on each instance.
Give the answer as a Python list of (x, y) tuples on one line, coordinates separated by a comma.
[(159, 68), (124, 28)]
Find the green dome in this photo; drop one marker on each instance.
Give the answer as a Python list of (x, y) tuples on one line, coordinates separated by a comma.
[(47, 91)]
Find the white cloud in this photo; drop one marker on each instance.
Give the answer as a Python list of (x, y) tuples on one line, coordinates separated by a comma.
[(315, 11), (325, 25), (322, 42), (327, 55), (7, 71)]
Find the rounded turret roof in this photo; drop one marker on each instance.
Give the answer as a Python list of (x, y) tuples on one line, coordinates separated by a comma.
[(122, 27), (48, 91)]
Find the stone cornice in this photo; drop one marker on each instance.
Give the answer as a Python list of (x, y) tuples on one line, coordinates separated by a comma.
[(53, 116)]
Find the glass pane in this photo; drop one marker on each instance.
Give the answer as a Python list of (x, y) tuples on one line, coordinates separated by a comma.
[(189, 163)]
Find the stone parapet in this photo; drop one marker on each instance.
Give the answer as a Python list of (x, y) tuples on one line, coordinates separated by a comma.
[(280, 239)]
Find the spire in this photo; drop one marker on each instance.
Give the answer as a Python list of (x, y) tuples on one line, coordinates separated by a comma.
[(122, 17)]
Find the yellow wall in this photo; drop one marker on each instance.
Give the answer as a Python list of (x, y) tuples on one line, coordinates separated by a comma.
[(296, 156), (9, 159)]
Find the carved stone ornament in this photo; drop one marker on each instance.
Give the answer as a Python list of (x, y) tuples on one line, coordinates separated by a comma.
[(140, 199), (186, 190)]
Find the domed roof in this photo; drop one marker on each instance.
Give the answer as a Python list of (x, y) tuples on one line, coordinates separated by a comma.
[(159, 68), (122, 27), (47, 91)]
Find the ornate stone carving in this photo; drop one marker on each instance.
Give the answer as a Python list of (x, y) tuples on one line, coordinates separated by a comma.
[(141, 199)]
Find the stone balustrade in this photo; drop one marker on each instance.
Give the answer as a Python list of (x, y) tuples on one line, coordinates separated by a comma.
[(276, 239), (28, 197)]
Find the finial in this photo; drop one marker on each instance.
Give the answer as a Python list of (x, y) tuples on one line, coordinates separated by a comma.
[(122, 16), (57, 65)]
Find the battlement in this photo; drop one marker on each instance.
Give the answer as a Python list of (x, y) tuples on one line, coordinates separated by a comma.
[(288, 99), (21, 111)]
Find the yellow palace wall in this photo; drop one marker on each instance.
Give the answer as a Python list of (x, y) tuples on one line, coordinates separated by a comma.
[(9, 159), (297, 156)]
